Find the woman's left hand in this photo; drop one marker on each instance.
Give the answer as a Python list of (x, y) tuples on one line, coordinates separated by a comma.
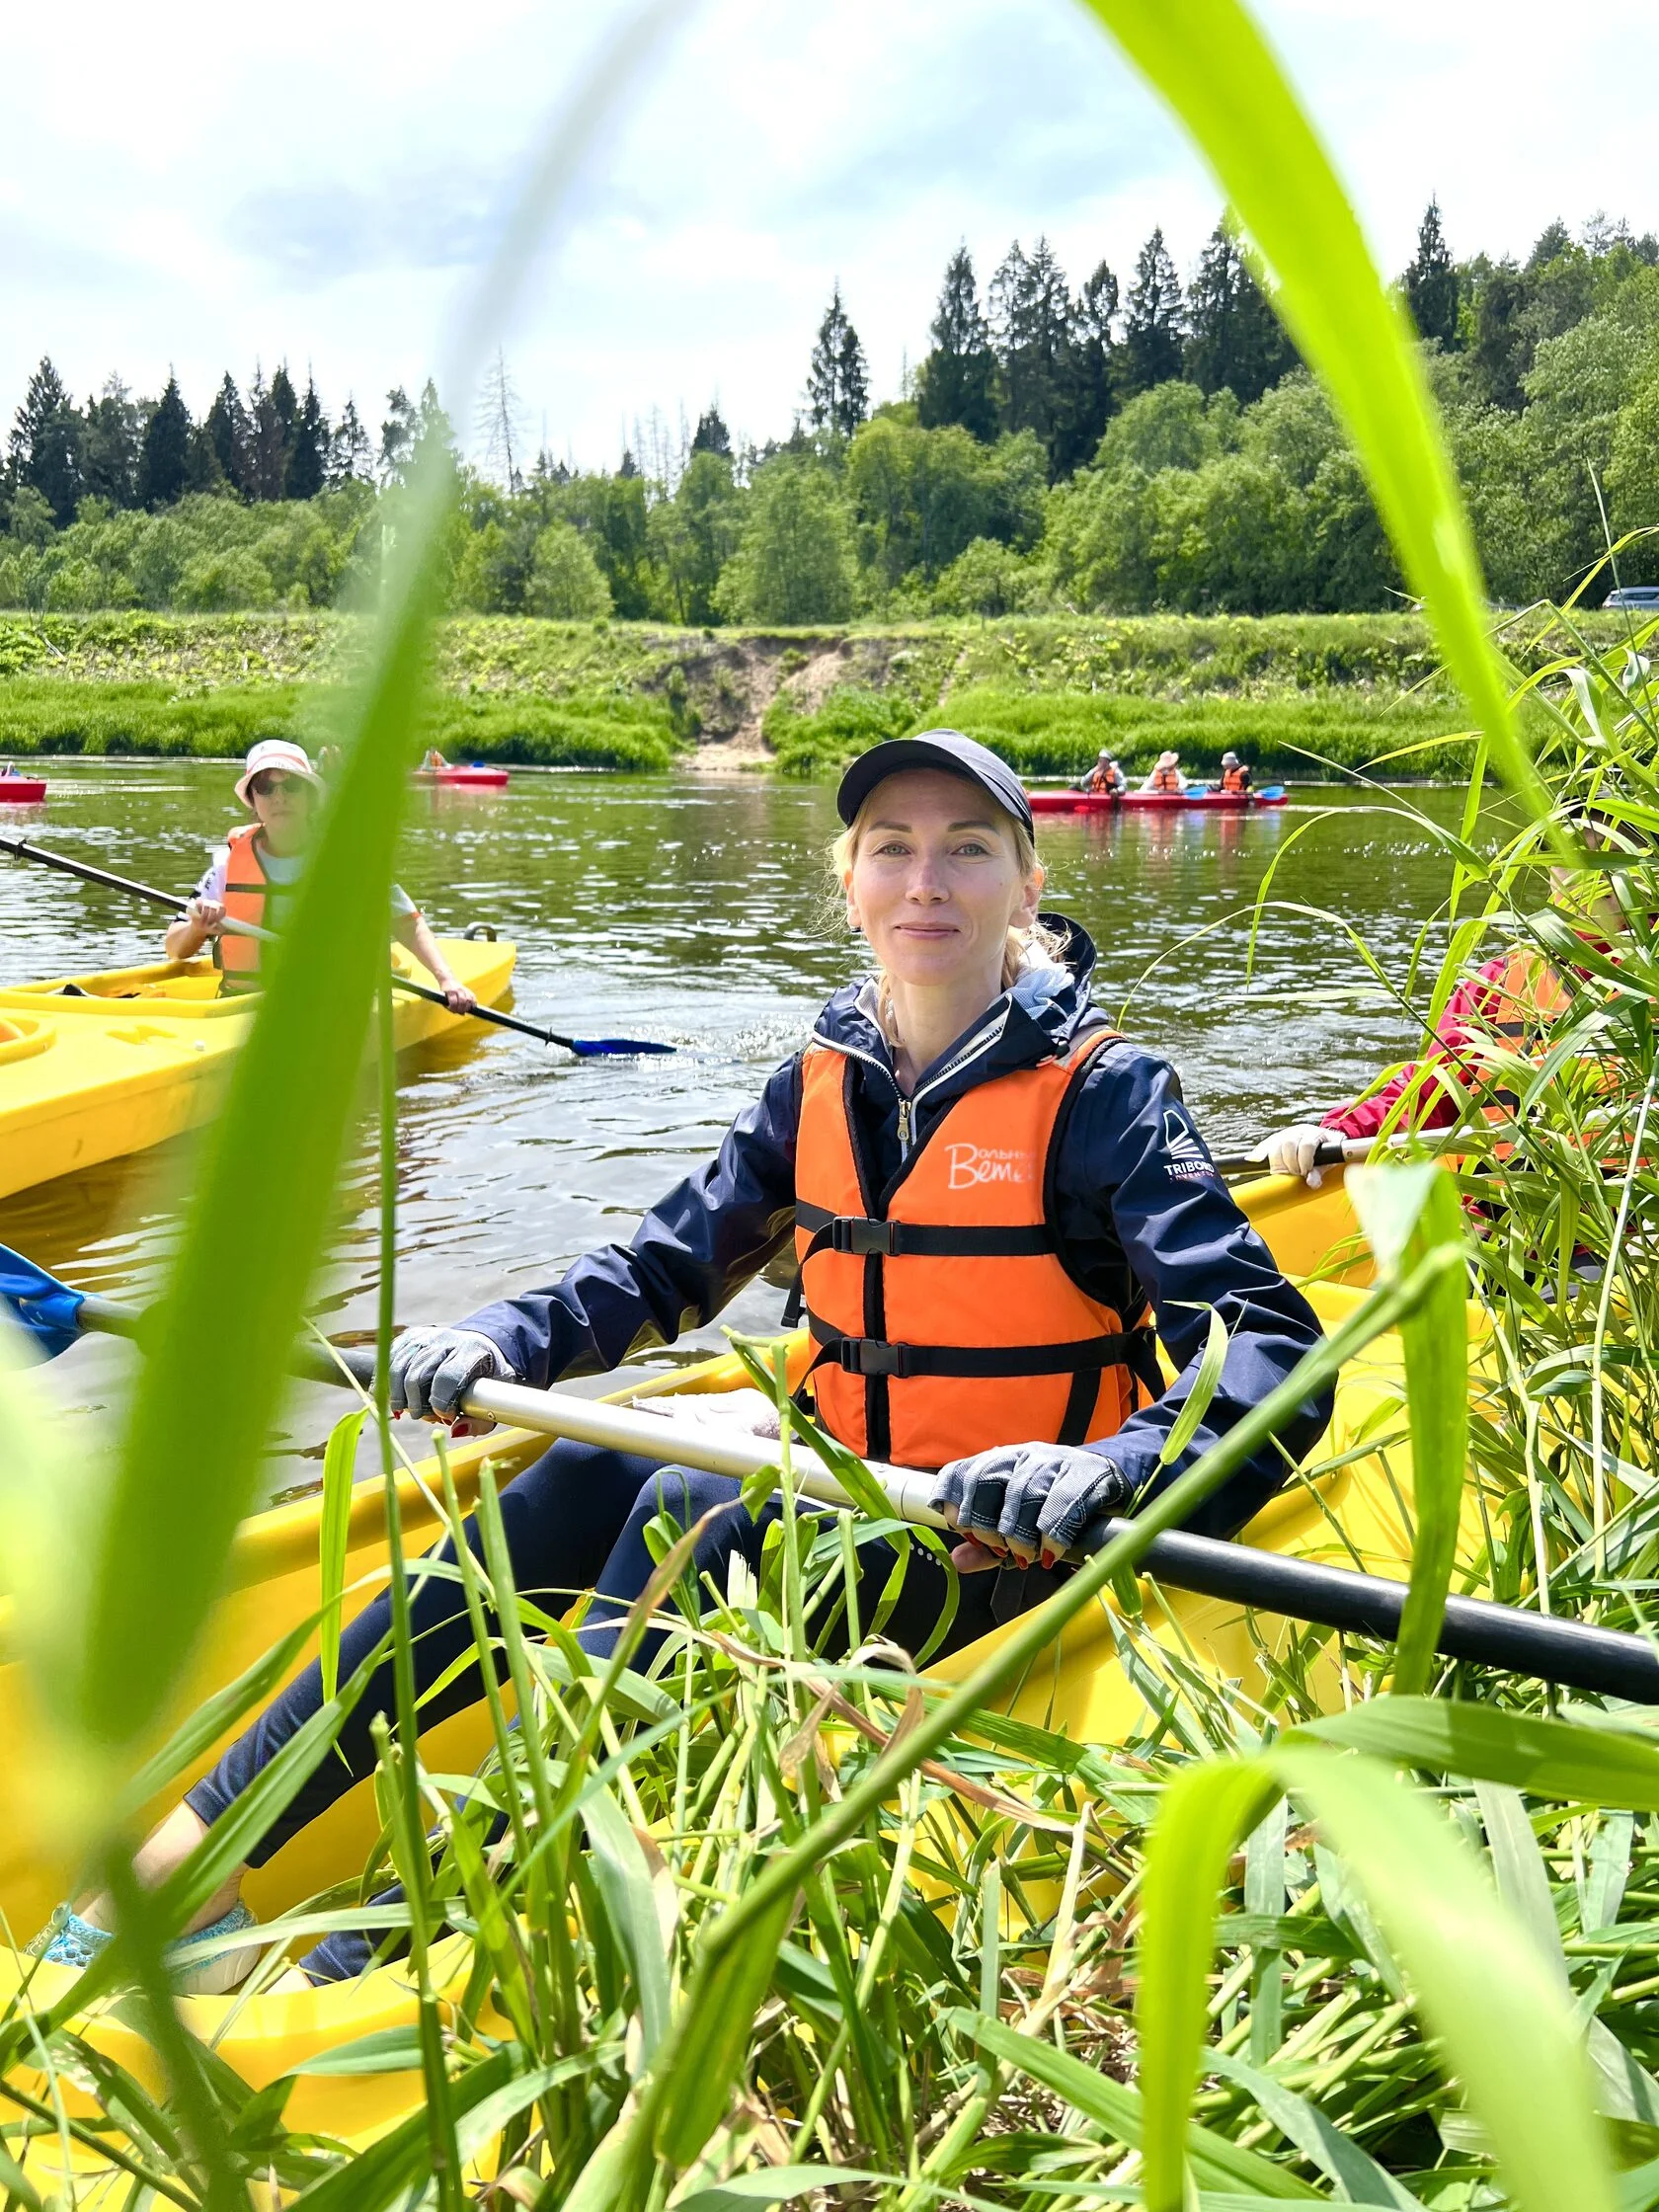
[(1030, 1500)]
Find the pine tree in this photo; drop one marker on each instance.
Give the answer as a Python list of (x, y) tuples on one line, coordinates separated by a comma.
[(1235, 341), (164, 456), (1091, 385), (838, 379), (268, 441), (499, 425), (350, 455), (46, 444), (711, 434), (1152, 347), (1033, 322), (110, 446), (957, 382), (308, 450), (231, 433), (397, 435), (1431, 282)]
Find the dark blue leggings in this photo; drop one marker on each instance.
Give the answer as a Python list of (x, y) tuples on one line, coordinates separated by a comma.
[(575, 1521)]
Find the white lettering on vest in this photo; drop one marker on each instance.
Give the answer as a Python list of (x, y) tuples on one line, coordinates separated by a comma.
[(970, 1164)]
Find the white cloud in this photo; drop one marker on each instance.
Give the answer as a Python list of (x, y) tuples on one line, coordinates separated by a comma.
[(220, 189)]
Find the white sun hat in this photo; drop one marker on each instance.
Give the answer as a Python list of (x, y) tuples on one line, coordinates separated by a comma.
[(280, 754)]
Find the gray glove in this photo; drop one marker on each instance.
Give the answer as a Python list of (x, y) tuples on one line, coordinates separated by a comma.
[(1036, 1497), (433, 1369)]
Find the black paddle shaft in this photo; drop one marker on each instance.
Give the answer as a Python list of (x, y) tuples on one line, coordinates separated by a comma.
[(1573, 1655), (22, 850)]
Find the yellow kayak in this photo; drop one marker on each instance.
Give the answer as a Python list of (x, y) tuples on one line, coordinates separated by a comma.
[(1357, 1516), (93, 1067)]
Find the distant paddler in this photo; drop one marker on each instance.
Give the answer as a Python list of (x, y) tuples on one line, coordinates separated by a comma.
[(1236, 777), (1106, 779), (253, 877), (1166, 776)]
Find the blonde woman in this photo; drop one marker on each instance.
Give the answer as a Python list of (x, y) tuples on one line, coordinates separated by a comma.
[(996, 1203)]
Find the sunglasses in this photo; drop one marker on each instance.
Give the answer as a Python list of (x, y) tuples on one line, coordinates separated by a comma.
[(267, 785)]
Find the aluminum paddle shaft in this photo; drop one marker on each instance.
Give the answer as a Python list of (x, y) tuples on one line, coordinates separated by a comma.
[(1604, 1661)]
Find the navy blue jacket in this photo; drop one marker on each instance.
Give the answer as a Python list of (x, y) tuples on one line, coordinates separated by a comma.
[(1141, 1216)]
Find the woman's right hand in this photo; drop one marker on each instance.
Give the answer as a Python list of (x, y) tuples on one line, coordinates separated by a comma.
[(434, 1368), (205, 914)]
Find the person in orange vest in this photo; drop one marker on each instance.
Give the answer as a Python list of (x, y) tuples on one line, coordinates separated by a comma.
[(998, 1206), (251, 876), (1166, 775), (1235, 775), (1508, 1004), (1105, 779)]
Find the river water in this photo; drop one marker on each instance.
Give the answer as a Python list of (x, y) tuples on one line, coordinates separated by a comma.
[(692, 909)]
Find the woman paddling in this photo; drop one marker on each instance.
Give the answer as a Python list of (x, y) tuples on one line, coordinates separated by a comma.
[(252, 877), (994, 1199)]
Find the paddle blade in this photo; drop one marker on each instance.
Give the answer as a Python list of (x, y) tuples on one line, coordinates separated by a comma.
[(47, 1309), (616, 1048)]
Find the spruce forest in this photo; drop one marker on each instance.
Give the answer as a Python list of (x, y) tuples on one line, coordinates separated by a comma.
[(1126, 448)]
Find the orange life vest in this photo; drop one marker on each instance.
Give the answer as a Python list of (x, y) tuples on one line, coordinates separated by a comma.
[(1166, 779), (1236, 779), (246, 890), (943, 1319)]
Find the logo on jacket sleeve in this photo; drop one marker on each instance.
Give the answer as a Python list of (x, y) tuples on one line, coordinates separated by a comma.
[(971, 1164), (1183, 1154)]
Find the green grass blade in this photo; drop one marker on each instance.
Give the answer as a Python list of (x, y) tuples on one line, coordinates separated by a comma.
[(340, 1466), (624, 1882), (1509, 2032), (1211, 62), (1216, 2162), (1435, 1341), (1202, 1815), (1549, 1759), (1356, 2174)]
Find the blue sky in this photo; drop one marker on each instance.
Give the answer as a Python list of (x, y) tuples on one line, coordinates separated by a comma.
[(210, 189)]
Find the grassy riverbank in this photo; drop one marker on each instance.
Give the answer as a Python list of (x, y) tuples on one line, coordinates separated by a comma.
[(1290, 690)]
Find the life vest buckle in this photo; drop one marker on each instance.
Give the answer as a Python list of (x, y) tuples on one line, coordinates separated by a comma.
[(872, 1355), (861, 1237)]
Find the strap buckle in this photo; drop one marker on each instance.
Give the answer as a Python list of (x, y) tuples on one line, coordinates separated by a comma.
[(859, 1236), (873, 1355)]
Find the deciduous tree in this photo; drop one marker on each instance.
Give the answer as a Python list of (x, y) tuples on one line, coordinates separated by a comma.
[(795, 562)]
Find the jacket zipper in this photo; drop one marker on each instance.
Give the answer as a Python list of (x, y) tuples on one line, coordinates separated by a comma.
[(907, 1106)]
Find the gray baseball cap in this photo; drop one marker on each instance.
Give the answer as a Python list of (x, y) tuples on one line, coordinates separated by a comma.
[(934, 748)]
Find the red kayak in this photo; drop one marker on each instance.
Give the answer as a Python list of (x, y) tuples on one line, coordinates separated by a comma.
[(476, 778), (1199, 798), (22, 791)]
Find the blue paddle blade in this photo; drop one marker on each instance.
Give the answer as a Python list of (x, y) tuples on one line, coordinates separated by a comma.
[(47, 1309), (1271, 791), (615, 1048)]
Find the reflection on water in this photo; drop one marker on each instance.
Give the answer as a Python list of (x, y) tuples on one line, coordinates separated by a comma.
[(693, 910)]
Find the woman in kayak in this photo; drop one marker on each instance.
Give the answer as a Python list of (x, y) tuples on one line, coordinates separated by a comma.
[(1166, 776), (995, 1202), (252, 877)]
